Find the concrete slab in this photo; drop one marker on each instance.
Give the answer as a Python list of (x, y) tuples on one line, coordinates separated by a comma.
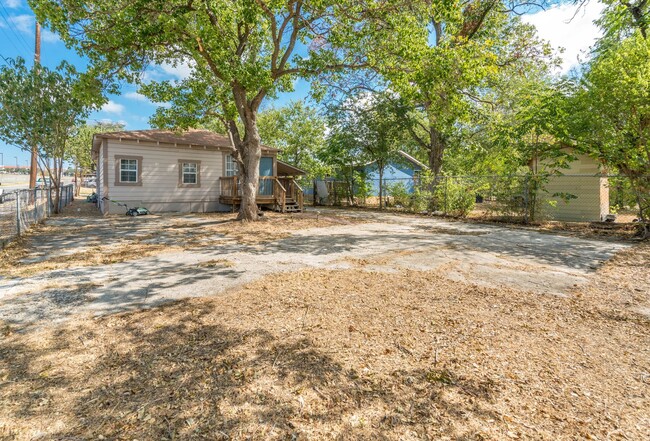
[(482, 254)]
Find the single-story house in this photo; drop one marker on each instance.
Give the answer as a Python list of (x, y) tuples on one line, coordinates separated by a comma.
[(193, 171), (404, 169)]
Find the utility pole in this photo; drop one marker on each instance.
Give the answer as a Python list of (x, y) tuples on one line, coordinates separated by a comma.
[(37, 62)]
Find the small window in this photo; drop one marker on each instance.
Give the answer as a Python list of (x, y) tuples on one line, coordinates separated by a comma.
[(129, 170), (190, 173), (232, 168)]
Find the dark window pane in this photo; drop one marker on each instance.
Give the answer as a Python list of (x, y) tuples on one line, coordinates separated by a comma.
[(189, 178)]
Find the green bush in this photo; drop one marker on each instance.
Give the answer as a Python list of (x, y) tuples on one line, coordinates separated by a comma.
[(457, 198), (362, 188), (399, 193)]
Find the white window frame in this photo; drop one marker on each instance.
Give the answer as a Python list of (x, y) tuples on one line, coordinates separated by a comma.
[(182, 173), (129, 170), (189, 172), (125, 164), (232, 167)]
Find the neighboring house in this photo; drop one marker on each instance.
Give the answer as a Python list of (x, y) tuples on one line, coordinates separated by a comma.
[(189, 172), (405, 169), (585, 188)]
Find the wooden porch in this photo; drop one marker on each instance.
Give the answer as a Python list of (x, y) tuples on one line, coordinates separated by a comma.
[(282, 194)]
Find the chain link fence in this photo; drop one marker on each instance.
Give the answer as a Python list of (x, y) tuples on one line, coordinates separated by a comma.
[(21, 209), (516, 198)]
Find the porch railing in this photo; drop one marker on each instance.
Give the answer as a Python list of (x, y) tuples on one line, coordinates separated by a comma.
[(269, 187), (231, 186)]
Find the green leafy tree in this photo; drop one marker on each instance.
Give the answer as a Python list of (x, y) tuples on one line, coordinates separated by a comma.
[(365, 124), (41, 107), (459, 52), (251, 49), (612, 117), (299, 131), (341, 153), (621, 18), (80, 146)]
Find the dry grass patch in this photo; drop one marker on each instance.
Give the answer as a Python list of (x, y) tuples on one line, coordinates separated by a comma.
[(342, 355), (12, 262), (120, 238), (452, 231), (272, 226), (587, 230), (216, 263)]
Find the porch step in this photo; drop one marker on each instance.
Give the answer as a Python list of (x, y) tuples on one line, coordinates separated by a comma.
[(292, 207), (289, 207)]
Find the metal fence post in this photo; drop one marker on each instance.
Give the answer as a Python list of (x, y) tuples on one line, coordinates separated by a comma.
[(446, 178), (18, 213), (526, 197), (48, 212)]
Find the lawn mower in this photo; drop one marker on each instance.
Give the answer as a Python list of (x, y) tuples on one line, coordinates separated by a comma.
[(136, 211)]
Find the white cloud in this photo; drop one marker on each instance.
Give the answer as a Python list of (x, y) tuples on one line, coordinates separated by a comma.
[(139, 97), (113, 107), (112, 121), (25, 24), (136, 96), (49, 36), (566, 26), (180, 71), (168, 71), (13, 4)]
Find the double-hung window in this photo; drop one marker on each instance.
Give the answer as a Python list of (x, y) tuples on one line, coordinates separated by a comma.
[(129, 170), (232, 168), (189, 173)]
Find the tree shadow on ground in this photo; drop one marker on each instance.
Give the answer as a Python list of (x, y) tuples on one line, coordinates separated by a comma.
[(188, 376)]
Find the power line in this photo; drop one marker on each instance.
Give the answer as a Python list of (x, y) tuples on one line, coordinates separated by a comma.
[(12, 26), (10, 40), (7, 17)]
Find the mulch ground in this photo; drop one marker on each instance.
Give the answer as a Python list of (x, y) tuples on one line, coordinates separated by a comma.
[(345, 355)]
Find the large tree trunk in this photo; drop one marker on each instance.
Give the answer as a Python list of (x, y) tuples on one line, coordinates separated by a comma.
[(436, 151), (249, 174), (437, 146), (249, 151)]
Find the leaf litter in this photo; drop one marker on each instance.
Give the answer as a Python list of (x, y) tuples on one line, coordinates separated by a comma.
[(348, 354)]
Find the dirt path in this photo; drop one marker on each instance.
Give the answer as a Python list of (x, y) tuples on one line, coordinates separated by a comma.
[(191, 261)]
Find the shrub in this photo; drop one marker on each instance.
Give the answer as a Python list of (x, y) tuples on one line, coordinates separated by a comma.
[(458, 198), (399, 193)]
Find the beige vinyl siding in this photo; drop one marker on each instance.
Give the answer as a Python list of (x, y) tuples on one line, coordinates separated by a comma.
[(582, 180), (160, 191)]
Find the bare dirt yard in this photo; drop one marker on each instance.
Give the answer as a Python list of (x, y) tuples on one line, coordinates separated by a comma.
[(325, 325)]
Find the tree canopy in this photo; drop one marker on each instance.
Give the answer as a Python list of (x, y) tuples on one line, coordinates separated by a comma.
[(252, 49), (41, 107)]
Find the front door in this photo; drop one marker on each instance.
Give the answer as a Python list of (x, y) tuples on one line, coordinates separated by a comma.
[(266, 169)]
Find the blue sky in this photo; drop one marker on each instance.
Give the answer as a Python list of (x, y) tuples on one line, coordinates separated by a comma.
[(134, 110)]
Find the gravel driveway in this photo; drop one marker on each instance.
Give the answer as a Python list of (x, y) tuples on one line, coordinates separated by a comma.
[(482, 254)]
